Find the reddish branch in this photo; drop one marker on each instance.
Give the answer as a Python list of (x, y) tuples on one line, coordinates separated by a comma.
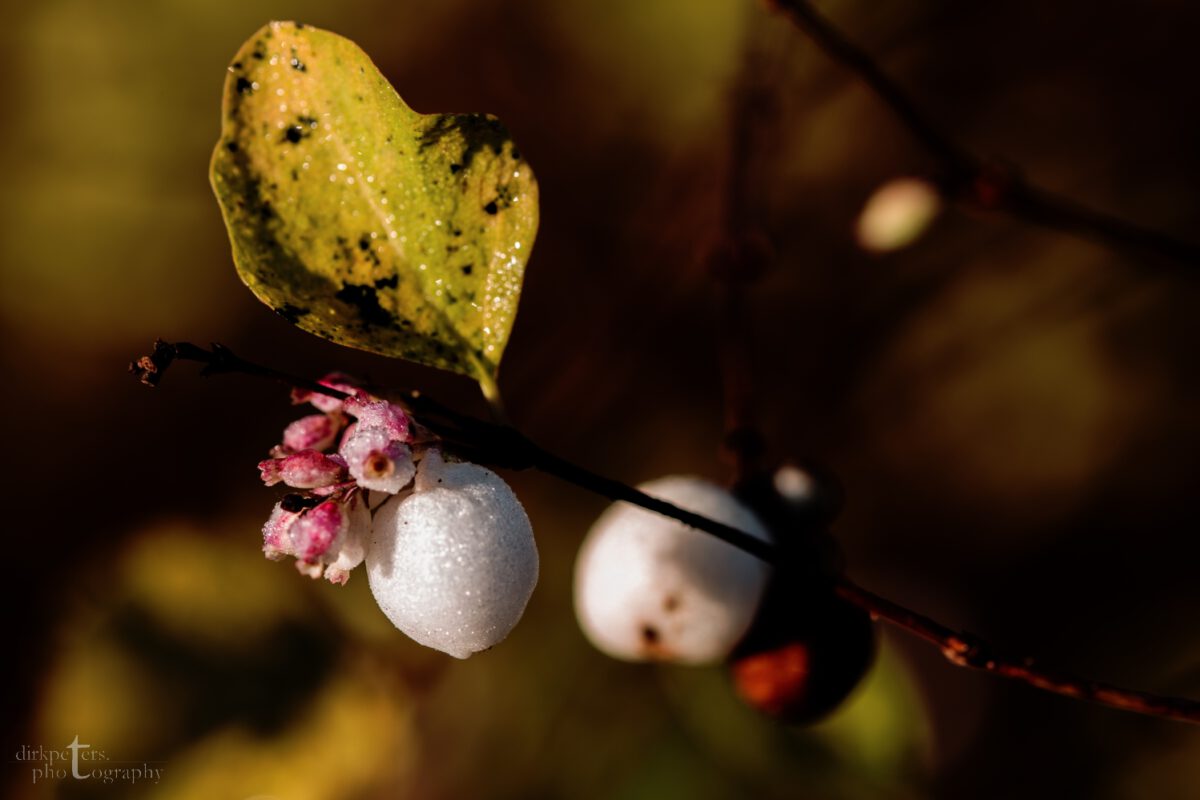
[(967, 650), (984, 183), (502, 445)]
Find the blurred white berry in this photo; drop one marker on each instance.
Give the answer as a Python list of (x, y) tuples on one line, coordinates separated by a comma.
[(453, 563), (897, 214), (794, 484), (648, 587)]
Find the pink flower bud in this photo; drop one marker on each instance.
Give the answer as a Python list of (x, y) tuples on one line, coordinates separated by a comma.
[(379, 414), (306, 470), (376, 460), (352, 548), (277, 541), (317, 530), (314, 432), (333, 489), (324, 402), (328, 539), (337, 575)]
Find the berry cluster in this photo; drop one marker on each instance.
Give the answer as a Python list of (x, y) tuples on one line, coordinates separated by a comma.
[(451, 561), (449, 550)]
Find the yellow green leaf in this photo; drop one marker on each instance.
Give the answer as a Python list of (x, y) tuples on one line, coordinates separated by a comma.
[(362, 221)]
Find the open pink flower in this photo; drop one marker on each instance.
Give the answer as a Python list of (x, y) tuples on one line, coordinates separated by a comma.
[(379, 414), (324, 402), (376, 460)]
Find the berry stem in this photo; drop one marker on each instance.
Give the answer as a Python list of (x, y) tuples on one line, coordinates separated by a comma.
[(982, 183), (491, 393)]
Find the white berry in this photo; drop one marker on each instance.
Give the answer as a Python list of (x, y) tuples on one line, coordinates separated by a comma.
[(453, 563), (897, 214), (650, 588)]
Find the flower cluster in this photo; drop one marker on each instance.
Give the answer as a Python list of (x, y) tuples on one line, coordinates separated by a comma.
[(326, 528), (449, 551)]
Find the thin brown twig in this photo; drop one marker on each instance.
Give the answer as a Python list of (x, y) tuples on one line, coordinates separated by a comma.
[(737, 259), (984, 183), (505, 446), (967, 650)]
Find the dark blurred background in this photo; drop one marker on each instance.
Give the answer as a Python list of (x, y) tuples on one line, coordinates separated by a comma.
[(1012, 411)]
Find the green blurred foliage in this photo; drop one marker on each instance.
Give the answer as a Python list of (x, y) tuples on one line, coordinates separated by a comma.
[(241, 678)]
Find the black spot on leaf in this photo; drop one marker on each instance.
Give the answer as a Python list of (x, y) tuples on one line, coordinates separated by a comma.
[(291, 313), (477, 130), (366, 301), (364, 244)]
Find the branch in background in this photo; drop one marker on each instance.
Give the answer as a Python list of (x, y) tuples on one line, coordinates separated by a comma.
[(505, 446), (739, 256), (983, 183), (966, 650)]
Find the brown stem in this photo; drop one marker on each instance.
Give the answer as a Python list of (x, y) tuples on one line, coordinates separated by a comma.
[(966, 650), (738, 258), (219, 360), (982, 182)]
